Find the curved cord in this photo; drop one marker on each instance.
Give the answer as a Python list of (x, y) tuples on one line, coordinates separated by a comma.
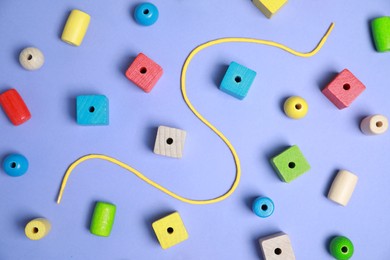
[(200, 117)]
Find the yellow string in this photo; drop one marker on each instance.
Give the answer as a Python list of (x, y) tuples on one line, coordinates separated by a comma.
[(201, 118)]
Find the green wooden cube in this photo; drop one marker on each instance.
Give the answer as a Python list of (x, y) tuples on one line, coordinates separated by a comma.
[(380, 28), (290, 164)]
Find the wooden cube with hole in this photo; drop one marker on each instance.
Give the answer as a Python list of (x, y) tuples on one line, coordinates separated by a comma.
[(170, 142), (144, 72), (237, 80), (290, 164), (277, 247), (269, 7), (343, 89), (170, 230), (92, 110)]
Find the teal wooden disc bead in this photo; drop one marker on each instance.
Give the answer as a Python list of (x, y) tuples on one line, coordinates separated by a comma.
[(15, 165), (341, 248), (263, 207), (146, 14)]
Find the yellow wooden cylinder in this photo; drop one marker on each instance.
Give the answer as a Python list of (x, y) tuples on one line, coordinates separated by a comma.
[(76, 27), (37, 228)]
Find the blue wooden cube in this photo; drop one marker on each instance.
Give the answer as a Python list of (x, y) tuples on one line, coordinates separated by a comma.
[(92, 110), (237, 80)]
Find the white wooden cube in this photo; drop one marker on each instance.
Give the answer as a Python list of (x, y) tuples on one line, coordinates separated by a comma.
[(170, 141), (277, 247)]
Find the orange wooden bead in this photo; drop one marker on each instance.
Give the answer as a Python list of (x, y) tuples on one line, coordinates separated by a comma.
[(14, 106)]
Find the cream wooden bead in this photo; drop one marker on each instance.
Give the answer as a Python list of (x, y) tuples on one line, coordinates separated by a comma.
[(342, 187), (374, 125), (31, 58)]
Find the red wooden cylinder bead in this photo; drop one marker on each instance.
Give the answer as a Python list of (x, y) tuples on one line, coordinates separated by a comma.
[(14, 106)]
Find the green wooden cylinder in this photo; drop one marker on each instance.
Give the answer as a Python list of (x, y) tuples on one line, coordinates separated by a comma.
[(381, 33), (103, 219)]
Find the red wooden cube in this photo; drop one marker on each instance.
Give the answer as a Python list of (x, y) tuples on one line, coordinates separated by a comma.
[(343, 89), (14, 106), (144, 72)]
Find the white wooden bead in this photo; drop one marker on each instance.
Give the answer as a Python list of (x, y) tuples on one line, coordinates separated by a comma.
[(342, 187), (374, 125), (31, 58), (170, 141), (277, 247)]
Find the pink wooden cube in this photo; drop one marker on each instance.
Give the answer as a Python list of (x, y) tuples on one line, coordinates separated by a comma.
[(144, 72), (343, 89)]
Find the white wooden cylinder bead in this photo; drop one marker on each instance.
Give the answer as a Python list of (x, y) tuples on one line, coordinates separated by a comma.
[(374, 125), (342, 187), (31, 58)]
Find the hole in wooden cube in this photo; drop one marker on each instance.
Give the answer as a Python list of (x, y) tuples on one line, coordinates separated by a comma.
[(343, 89), (237, 80), (277, 246), (290, 164), (170, 141), (144, 72), (92, 110), (170, 230)]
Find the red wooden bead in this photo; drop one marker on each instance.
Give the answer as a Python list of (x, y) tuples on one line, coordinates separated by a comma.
[(343, 89), (14, 106), (144, 72)]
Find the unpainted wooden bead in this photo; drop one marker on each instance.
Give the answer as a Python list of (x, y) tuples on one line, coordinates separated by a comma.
[(31, 58), (374, 125)]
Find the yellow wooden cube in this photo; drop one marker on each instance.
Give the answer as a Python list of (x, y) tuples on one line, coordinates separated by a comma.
[(269, 7), (170, 230)]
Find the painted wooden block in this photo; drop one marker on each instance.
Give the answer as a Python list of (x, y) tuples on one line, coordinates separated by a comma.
[(343, 89), (290, 164), (37, 228), (14, 107), (170, 141), (277, 247), (237, 80), (374, 125), (269, 7), (76, 27), (170, 230), (342, 187), (380, 28), (92, 110), (144, 72), (103, 219)]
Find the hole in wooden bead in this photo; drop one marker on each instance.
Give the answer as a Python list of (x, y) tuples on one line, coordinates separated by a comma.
[(237, 79), (291, 165), (35, 230), (278, 251), (92, 109), (170, 230), (13, 165), (298, 106), (143, 70), (344, 249), (264, 207), (146, 11), (346, 86), (169, 141), (29, 57), (379, 124)]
